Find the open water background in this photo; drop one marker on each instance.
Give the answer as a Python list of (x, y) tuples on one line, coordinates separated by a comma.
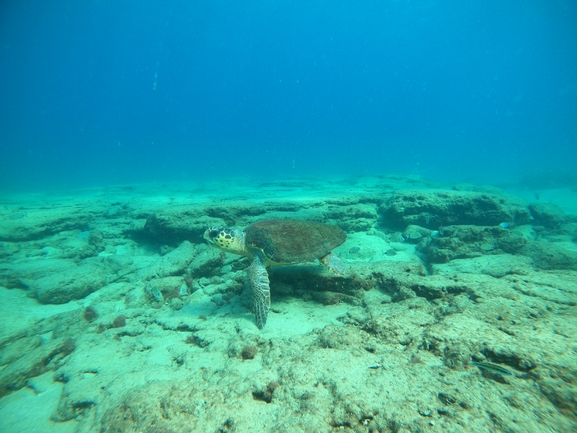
[(104, 92)]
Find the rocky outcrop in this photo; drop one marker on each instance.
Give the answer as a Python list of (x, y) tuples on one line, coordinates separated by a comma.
[(466, 241), (435, 209)]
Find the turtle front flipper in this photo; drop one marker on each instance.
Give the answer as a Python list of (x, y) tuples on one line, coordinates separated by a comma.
[(334, 263), (260, 289)]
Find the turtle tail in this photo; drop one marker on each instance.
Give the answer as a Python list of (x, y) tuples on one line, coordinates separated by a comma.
[(260, 289)]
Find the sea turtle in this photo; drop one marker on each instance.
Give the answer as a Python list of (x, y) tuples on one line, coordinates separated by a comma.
[(278, 242)]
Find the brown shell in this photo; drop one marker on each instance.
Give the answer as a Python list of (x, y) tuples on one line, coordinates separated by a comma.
[(293, 241)]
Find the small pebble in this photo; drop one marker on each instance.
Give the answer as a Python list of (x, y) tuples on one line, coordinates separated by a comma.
[(354, 250), (176, 303), (391, 252), (119, 322)]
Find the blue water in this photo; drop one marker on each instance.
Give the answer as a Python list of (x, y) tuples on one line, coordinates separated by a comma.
[(102, 92)]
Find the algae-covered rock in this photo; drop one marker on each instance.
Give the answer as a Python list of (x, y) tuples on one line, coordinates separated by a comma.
[(562, 394), (333, 298), (205, 261), (410, 320), (385, 347), (21, 273), (467, 241), (179, 223), (415, 234), (434, 209), (549, 255), (176, 224), (304, 280), (356, 218), (173, 263), (169, 287), (547, 215), (119, 263), (36, 360), (497, 266), (39, 223), (341, 337), (73, 283)]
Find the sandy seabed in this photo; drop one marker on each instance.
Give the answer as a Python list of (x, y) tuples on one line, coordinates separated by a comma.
[(116, 316)]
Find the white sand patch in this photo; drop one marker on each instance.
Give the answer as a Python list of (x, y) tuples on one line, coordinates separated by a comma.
[(28, 410), (18, 312)]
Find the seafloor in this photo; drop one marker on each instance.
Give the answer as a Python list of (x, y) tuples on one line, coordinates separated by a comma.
[(117, 317)]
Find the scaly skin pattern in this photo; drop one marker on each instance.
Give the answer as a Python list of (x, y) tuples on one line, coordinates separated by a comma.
[(334, 263), (227, 239), (260, 289)]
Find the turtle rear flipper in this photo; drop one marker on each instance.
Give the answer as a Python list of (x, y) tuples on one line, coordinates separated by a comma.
[(260, 290), (334, 263)]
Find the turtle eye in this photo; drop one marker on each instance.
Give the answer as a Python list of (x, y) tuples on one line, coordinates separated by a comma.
[(214, 233)]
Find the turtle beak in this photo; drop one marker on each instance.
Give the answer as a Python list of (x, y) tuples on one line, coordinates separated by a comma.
[(210, 234), (207, 237)]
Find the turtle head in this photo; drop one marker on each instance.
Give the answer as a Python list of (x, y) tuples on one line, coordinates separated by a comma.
[(226, 239)]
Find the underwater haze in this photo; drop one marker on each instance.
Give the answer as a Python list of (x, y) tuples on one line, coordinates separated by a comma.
[(111, 92), (411, 163)]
